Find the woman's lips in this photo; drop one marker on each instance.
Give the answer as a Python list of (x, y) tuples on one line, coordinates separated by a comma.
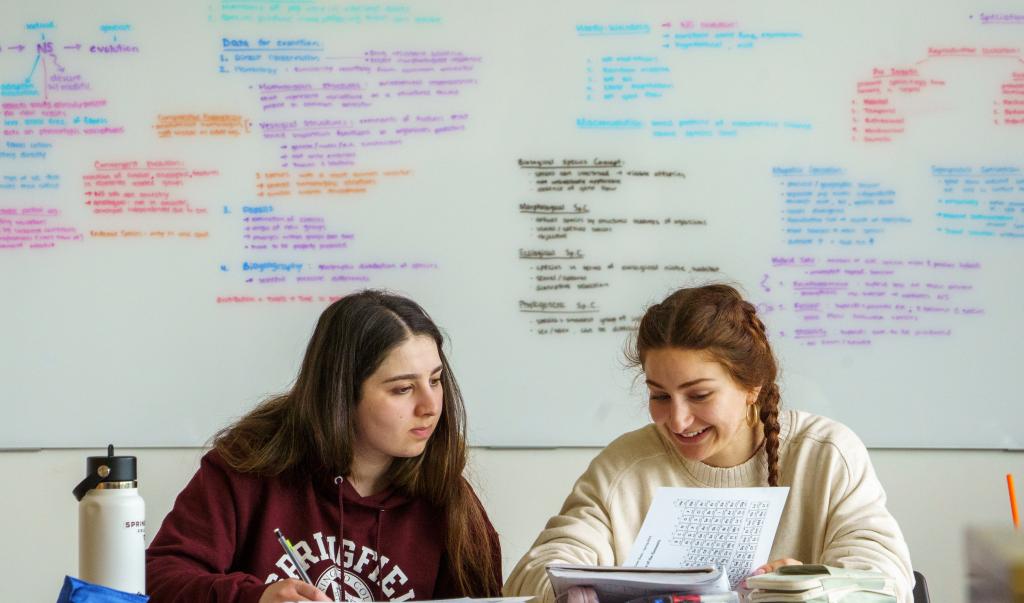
[(699, 437), (422, 432)]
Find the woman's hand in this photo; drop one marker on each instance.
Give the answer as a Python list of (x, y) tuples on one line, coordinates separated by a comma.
[(581, 594), (771, 566), (292, 590)]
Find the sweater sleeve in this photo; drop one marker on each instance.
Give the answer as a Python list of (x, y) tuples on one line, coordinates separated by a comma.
[(191, 555), (580, 534), (860, 532)]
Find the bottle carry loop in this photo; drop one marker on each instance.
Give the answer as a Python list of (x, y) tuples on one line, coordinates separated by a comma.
[(107, 472), (91, 481)]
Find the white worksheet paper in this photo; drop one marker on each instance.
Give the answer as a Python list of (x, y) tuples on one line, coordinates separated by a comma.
[(732, 528)]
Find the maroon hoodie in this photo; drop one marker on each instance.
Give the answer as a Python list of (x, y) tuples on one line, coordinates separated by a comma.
[(218, 542)]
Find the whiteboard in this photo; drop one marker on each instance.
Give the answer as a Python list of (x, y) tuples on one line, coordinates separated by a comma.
[(185, 186)]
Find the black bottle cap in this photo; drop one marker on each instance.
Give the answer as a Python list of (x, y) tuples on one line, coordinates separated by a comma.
[(108, 468)]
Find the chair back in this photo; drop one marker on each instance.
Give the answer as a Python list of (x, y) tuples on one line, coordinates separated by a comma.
[(920, 589)]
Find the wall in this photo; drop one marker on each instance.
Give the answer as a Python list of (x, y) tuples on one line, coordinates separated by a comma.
[(933, 494)]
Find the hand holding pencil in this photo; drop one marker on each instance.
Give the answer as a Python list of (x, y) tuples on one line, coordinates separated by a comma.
[(291, 589), (284, 591)]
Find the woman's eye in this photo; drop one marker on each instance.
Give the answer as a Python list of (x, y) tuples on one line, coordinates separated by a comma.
[(700, 396), (403, 390), (435, 381), (658, 396)]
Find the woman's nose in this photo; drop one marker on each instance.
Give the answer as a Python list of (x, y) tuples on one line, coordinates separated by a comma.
[(428, 401), (680, 417)]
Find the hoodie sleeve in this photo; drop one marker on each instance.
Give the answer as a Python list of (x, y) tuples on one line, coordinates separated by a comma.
[(191, 555)]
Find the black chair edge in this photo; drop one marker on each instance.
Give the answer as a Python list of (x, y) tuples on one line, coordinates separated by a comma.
[(920, 588)]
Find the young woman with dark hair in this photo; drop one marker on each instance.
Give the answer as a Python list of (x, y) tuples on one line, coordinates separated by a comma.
[(359, 465), (717, 422)]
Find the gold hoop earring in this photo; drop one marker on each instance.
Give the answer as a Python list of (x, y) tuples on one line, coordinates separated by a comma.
[(752, 414)]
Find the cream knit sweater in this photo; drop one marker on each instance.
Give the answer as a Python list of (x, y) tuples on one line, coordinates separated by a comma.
[(835, 513)]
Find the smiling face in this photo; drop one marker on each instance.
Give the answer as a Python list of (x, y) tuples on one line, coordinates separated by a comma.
[(699, 407), (401, 403)]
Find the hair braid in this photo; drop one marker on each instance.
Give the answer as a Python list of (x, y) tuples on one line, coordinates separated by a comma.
[(755, 324), (768, 399), (768, 403)]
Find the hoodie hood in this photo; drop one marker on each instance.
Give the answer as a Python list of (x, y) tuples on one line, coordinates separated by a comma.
[(389, 498)]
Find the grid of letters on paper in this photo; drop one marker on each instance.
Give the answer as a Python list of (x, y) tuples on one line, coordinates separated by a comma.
[(720, 532)]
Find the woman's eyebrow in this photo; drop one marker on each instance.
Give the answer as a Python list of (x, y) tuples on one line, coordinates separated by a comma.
[(681, 385), (408, 376)]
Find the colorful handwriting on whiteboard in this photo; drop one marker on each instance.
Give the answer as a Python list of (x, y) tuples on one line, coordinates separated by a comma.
[(882, 103), (822, 205), (314, 12), (985, 201), (853, 301), (142, 187), (35, 227), (342, 106)]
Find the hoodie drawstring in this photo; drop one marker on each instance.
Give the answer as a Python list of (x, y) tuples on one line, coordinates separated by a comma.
[(340, 482), (380, 553)]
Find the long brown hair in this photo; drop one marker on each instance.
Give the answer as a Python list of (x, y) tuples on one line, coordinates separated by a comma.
[(717, 320), (312, 426)]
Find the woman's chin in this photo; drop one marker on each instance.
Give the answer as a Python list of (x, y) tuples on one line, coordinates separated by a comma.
[(693, 453), (694, 448)]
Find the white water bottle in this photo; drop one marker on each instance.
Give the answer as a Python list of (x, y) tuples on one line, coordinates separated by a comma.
[(112, 524)]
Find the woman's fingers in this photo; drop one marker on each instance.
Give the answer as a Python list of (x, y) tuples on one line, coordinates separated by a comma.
[(292, 590), (311, 592), (771, 566)]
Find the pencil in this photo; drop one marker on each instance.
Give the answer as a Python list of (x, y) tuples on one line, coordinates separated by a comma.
[(290, 552), (1013, 501)]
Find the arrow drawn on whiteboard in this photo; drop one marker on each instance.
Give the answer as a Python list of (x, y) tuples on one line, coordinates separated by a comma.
[(56, 63), (764, 285), (28, 78)]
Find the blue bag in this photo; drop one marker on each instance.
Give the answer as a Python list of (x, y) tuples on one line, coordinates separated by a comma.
[(80, 591)]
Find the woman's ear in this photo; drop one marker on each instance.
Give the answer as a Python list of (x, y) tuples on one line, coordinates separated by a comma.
[(754, 393)]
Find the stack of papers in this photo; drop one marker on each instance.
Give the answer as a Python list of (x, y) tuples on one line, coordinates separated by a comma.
[(693, 540), (620, 584), (729, 528)]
